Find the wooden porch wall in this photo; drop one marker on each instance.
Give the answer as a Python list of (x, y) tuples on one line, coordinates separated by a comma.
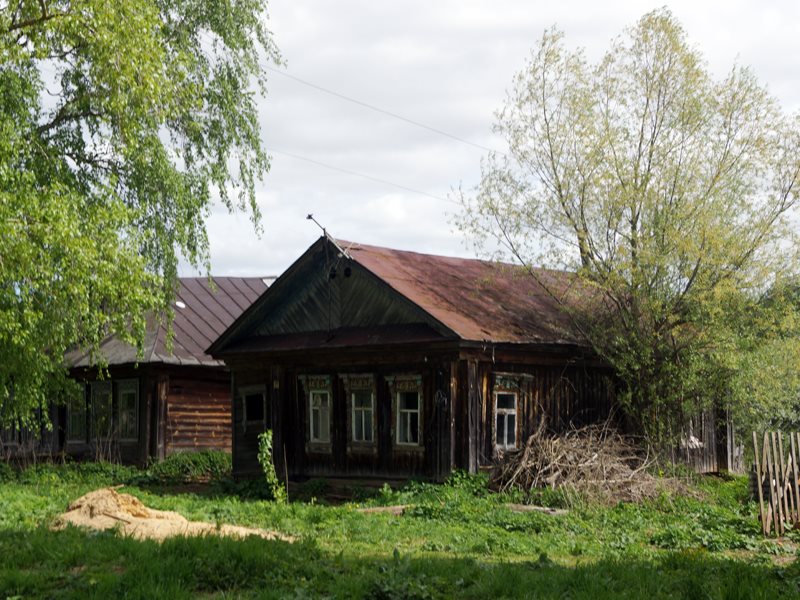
[(198, 414)]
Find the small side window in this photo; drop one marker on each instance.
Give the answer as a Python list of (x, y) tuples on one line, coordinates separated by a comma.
[(254, 410), (505, 410)]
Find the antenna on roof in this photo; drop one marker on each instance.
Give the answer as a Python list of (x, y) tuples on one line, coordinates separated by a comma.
[(331, 239)]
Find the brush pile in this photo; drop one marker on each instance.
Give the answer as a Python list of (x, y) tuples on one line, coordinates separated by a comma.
[(595, 461)]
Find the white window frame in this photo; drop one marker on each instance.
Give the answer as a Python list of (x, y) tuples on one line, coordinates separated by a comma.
[(506, 412), (124, 386), (363, 416), (401, 412), (311, 395)]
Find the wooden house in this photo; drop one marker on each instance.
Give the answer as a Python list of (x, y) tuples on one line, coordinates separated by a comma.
[(379, 363), (174, 398)]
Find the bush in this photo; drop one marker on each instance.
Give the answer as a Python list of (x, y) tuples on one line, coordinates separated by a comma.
[(7, 473), (191, 467)]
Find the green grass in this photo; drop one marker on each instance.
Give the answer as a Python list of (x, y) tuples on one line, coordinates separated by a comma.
[(456, 540)]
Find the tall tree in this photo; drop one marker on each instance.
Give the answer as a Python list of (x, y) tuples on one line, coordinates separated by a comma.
[(670, 193), (120, 123)]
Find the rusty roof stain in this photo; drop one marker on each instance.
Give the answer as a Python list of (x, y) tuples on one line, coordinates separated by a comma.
[(479, 300), (201, 315)]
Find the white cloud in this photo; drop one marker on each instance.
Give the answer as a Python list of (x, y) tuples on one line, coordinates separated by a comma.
[(446, 64)]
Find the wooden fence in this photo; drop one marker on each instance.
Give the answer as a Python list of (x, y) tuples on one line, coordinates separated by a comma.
[(777, 487)]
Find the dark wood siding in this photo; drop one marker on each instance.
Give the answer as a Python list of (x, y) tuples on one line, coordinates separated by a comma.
[(198, 414)]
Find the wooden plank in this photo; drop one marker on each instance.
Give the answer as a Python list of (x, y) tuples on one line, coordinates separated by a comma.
[(759, 485), (788, 500), (775, 485), (473, 408), (794, 437)]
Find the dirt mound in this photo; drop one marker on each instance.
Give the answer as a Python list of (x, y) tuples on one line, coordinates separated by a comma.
[(108, 509)]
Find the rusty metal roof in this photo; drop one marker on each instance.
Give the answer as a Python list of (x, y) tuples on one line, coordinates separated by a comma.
[(201, 315), (479, 300)]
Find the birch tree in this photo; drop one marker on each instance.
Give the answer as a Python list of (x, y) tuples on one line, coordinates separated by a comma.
[(120, 123)]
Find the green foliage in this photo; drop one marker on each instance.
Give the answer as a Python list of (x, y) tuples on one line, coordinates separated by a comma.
[(7, 473), (274, 484), (191, 467), (121, 121), (99, 473), (398, 581), (671, 195), (706, 547)]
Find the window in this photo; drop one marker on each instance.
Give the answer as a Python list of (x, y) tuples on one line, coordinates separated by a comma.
[(102, 427), (254, 407), (320, 416), (362, 415), (76, 418), (505, 410), (252, 401), (408, 418), (128, 410)]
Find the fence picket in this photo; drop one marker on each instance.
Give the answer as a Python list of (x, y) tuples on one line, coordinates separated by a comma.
[(781, 472)]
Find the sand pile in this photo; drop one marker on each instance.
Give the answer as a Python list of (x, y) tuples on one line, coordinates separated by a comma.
[(107, 509)]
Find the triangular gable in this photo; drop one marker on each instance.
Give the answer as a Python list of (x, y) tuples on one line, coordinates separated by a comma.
[(325, 290)]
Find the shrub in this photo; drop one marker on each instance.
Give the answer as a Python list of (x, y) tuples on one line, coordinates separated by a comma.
[(191, 467), (7, 473)]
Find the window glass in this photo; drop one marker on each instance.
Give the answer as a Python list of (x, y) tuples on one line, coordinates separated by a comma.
[(127, 408), (320, 416), (76, 418), (362, 415), (408, 418), (254, 406), (102, 426), (505, 420), (506, 400)]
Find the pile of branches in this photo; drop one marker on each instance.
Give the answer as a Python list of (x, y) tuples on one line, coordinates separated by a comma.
[(595, 461)]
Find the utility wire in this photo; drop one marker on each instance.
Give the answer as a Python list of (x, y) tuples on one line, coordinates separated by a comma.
[(371, 106), (362, 175), (381, 110)]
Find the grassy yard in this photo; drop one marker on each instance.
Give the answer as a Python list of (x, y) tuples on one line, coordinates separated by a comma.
[(455, 540)]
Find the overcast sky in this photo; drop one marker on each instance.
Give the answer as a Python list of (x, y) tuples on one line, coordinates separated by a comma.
[(445, 64)]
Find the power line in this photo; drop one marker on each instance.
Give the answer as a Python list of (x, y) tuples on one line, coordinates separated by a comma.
[(362, 175), (372, 106), (381, 110)]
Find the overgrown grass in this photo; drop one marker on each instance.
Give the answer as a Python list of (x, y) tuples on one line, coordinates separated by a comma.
[(455, 540)]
